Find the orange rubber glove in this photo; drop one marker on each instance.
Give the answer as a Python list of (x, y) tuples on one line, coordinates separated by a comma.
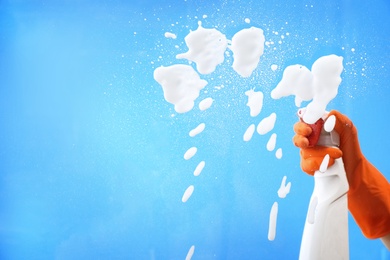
[(369, 191)]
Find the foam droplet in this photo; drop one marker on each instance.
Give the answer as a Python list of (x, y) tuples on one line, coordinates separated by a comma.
[(330, 123), (279, 153), (170, 35), (272, 222), (197, 130), (199, 168), (271, 142), (190, 153), (255, 102), (190, 252), (284, 189), (187, 194), (205, 103), (324, 163), (249, 133), (266, 124)]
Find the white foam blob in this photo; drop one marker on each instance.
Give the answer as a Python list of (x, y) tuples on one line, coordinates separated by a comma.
[(271, 142), (206, 47), (190, 253), (330, 123), (279, 153), (249, 133), (324, 163), (170, 35), (199, 168), (284, 189), (320, 85), (247, 46), (197, 130), (297, 80), (255, 102), (272, 222), (311, 212), (187, 193), (181, 85), (205, 103), (247, 20), (190, 153), (266, 124), (274, 67)]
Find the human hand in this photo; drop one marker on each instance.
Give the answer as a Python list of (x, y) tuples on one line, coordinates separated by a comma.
[(368, 195), (312, 156)]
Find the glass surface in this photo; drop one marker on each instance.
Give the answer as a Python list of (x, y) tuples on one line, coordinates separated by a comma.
[(91, 158)]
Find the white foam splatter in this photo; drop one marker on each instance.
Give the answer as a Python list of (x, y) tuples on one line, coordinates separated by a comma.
[(271, 142), (170, 35), (274, 67), (296, 80), (319, 85), (199, 168), (187, 193), (284, 189), (249, 133), (247, 20), (255, 101), (272, 222), (205, 103), (330, 123), (197, 130), (267, 124), (279, 153), (190, 253), (190, 153), (206, 47), (324, 164), (247, 47), (181, 85)]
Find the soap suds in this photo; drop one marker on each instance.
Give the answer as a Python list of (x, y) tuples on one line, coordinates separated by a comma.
[(206, 47), (181, 85), (255, 102), (247, 47), (267, 124), (249, 133), (320, 85)]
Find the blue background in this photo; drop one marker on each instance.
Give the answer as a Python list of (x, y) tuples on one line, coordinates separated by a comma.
[(91, 155)]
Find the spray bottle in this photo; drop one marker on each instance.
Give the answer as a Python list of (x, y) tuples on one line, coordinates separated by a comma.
[(325, 235)]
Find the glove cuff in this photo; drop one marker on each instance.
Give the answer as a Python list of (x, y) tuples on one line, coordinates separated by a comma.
[(369, 200)]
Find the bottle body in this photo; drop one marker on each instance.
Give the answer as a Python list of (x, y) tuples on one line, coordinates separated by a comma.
[(325, 234)]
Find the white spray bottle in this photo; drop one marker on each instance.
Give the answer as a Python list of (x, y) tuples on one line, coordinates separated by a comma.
[(325, 235)]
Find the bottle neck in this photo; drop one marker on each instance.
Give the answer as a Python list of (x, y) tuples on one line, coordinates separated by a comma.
[(329, 139)]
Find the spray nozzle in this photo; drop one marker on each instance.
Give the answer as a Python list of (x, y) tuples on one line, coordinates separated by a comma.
[(322, 130)]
